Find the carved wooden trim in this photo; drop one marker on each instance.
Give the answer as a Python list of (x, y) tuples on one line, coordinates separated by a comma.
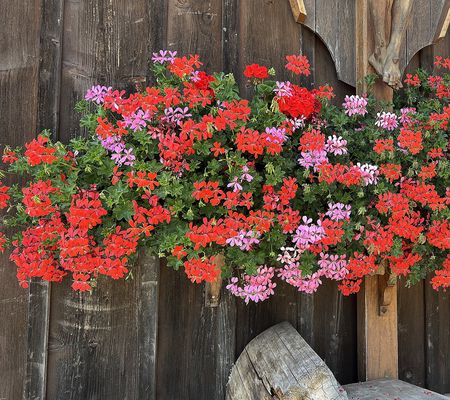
[(298, 10), (386, 291)]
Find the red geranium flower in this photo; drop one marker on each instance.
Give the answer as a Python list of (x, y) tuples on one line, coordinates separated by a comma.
[(37, 152), (298, 64), (302, 103), (199, 270), (256, 71)]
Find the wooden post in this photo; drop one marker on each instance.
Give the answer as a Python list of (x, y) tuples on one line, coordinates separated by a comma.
[(377, 301)]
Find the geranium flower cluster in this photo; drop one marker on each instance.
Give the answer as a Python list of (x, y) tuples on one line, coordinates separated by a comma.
[(283, 187)]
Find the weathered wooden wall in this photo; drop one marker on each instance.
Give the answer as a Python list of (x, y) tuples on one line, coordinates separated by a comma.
[(153, 337)]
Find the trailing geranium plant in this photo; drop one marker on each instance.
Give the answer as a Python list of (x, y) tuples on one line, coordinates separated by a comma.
[(284, 186)]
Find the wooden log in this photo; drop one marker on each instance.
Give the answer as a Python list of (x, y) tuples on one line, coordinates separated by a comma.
[(279, 364), (387, 389)]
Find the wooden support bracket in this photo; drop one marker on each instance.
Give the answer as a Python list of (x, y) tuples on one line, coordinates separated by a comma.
[(386, 291), (212, 292), (444, 22), (298, 10), (213, 289)]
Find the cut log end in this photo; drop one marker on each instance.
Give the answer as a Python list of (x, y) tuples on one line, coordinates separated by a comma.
[(279, 364)]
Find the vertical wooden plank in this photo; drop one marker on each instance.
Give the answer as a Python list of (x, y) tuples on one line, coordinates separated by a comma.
[(47, 118), (325, 73), (93, 342), (19, 62), (50, 54), (195, 343), (230, 27), (37, 340), (105, 42), (147, 273), (437, 307), (305, 302), (377, 334), (437, 304), (337, 29), (411, 333), (413, 315), (252, 319), (335, 331), (102, 345), (196, 27), (334, 319), (266, 34), (419, 29)]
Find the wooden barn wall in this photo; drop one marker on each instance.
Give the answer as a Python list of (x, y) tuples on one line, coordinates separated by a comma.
[(153, 337)]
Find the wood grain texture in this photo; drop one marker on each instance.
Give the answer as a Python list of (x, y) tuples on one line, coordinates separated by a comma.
[(100, 47), (196, 27), (437, 328), (50, 51), (389, 390), (147, 274), (102, 345), (335, 23), (411, 333), (377, 334), (19, 64), (192, 334), (266, 40), (195, 343), (279, 362)]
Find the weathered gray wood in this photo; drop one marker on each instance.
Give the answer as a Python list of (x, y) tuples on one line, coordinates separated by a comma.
[(96, 339), (37, 340), (192, 334), (411, 347), (195, 343), (334, 23), (437, 330), (279, 361), (266, 35), (47, 118), (19, 63), (196, 27), (386, 389), (147, 274)]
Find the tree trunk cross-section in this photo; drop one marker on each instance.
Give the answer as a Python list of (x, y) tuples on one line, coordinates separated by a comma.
[(279, 364)]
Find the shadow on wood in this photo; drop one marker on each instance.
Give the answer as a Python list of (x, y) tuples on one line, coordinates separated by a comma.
[(279, 364)]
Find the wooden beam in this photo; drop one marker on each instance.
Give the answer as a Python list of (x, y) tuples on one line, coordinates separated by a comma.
[(444, 22), (298, 10), (377, 331)]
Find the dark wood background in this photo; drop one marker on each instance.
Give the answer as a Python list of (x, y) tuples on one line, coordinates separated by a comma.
[(153, 336)]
